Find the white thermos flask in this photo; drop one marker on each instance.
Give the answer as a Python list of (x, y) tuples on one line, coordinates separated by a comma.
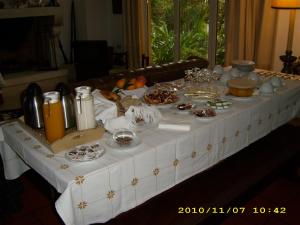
[(84, 108)]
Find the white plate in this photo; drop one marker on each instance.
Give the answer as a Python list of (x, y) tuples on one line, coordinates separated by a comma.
[(83, 153), (111, 143)]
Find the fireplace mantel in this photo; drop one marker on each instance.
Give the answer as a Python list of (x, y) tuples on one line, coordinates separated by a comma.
[(32, 12)]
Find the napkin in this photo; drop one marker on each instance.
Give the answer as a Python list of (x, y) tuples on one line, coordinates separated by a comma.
[(174, 126), (104, 108), (148, 114), (175, 122)]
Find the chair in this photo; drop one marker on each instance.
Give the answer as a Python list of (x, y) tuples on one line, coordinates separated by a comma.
[(91, 59)]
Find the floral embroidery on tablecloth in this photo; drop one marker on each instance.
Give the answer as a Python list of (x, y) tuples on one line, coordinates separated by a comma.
[(176, 162), (134, 181), (237, 133), (224, 140), (249, 127), (79, 180), (64, 166), (111, 194), (19, 131), (82, 205), (259, 121), (270, 116), (27, 139), (209, 147), (194, 154), (36, 146), (155, 171), (50, 156)]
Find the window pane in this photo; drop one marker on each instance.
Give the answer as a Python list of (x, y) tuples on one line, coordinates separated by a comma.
[(220, 54), (162, 35), (194, 28)]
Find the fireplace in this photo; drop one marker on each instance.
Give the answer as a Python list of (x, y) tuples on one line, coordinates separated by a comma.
[(27, 44)]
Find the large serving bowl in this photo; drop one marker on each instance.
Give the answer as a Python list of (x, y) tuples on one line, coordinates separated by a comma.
[(241, 87), (243, 65)]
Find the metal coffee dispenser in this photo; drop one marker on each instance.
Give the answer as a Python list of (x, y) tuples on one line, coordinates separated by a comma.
[(33, 106), (67, 104)]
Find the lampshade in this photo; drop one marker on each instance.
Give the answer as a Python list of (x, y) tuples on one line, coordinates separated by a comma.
[(286, 4)]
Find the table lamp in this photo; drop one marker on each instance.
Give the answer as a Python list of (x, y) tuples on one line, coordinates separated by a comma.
[(288, 59)]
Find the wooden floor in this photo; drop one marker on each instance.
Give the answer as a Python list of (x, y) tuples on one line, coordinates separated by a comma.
[(279, 193)]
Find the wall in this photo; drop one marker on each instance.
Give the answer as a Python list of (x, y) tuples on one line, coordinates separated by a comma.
[(94, 21), (282, 35)]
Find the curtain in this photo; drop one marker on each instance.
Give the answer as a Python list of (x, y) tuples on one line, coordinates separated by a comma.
[(135, 34), (250, 32)]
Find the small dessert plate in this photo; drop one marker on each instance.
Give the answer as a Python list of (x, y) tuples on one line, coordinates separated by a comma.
[(204, 114), (83, 153)]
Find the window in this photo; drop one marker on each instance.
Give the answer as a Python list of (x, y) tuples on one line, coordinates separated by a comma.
[(186, 28)]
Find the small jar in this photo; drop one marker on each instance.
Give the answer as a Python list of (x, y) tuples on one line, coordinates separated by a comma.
[(84, 108), (53, 116)]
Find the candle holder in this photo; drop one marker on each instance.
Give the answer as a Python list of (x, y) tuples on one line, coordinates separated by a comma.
[(288, 60)]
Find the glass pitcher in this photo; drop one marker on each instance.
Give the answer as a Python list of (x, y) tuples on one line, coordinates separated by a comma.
[(53, 116)]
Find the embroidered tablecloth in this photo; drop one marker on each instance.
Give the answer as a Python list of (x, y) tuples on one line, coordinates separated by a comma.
[(99, 190)]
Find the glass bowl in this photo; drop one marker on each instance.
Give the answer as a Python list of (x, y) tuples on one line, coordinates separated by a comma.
[(123, 137)]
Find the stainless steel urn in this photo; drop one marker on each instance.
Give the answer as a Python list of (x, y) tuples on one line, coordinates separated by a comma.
[(33, 106), (68, 105)]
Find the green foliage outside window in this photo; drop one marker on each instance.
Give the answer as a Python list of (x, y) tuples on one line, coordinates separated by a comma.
[(194, 21)]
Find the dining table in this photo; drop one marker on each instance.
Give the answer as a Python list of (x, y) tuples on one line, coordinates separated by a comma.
[(123, 178)]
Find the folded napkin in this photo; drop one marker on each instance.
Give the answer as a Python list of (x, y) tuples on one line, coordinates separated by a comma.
[(147, 114), (134, 117), (174, 126), (104, 108)]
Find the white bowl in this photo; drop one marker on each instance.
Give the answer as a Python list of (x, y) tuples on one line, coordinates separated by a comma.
[(266, 88), (276, 82), (218, 69)]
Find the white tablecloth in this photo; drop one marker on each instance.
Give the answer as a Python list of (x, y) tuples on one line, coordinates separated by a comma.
[(99, 190)]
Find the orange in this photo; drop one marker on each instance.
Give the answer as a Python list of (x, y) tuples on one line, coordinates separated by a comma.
[(132, 81), (139, 84), (141, 78), (131, 87), (121, 83)]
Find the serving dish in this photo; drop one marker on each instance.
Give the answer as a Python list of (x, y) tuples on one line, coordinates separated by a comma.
[(85, 153), (123, 139), (241, 87), (204, 113), (157, 96)]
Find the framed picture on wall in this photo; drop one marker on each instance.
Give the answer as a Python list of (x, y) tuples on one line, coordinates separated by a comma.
[(117, 6)]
